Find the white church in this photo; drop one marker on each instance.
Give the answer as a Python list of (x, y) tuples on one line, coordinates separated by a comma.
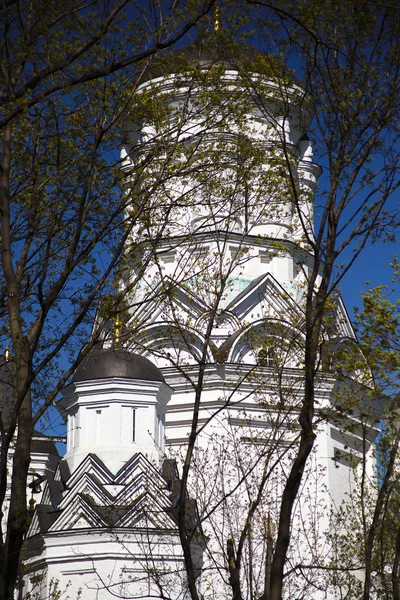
[(207, 357)]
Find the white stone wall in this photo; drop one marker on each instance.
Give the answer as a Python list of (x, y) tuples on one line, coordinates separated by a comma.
[(101, 565), (115, 418)]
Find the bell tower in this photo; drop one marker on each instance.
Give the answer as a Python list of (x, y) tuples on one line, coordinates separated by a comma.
[(227, 237)]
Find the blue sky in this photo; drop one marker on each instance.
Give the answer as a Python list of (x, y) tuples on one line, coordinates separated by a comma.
[(372, 266)]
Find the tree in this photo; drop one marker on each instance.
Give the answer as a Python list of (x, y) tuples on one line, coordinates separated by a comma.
[(213, 172), (371, 536), (348, 65), (68, 74), (356, 119)]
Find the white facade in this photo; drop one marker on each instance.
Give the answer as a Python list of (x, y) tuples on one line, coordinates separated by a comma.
[(236, 256), (113, 418), (219, 308)]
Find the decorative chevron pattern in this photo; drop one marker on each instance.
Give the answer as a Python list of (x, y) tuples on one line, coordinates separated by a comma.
[(137, 496)]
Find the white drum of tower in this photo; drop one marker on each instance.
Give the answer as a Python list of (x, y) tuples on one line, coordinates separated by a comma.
[(229, 137)]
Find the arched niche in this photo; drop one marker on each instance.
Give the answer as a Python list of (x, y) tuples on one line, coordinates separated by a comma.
[(269, 343), (343, 355), (222, 320), (169, 345)]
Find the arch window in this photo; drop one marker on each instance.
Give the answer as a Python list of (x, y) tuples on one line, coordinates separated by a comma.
[(266, 357)]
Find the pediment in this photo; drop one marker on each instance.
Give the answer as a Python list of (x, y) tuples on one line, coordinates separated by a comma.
[(78, 514), (93, 466), (147, 520), (137, 466), (157, 309), (149, 311), (264, 298), (343, 323), (89, 486), (141, 486), (188, 301), (62, 472), (97, 498), (81, 523), (46, 495), (147, 512)]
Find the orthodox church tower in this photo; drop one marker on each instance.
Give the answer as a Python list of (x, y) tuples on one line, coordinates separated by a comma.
[(219, 266), (212, 371)]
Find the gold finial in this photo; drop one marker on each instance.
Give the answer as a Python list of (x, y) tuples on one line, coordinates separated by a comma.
[(118, 328), (216, 19), (7, 354)]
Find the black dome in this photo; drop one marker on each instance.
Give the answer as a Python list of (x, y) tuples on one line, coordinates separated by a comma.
[(115, 362)]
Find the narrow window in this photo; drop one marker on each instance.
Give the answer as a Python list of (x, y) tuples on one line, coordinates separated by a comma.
[(90, 427), (128, 424), (266, 357), (160, 432), (98, 436), (69, 433), (73, 431)]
